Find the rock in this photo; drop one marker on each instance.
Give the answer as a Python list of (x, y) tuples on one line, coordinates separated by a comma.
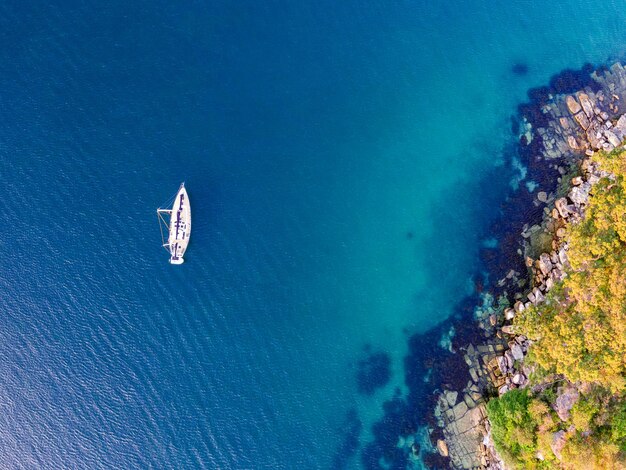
[(518, 307), (502, 390), (493, 320), (557, 274), (563, 256), (509, 359), (582, 120), (577, 181), (571, 141), (460, 410), (544, 264), (468, 360), (558, 442), (586, 104), (509, 314), (565, 401), (451, 397), (415, 449), (542, 196), (502, 365), (538, 296), (561, 206), (593, 179), (620, 126), (613, 139), (578, 195), (572, 104), (517, 352), (560, 232), (442, 447), (508, 329), (519, 379)]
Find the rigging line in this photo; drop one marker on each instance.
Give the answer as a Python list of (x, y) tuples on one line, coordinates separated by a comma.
[(160, 218), (170, 201)]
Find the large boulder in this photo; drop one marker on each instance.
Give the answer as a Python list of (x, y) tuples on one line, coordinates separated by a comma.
[(613, 139), (563, 256), (502, 365), (442, 447), (557, 444), (544, 264), (586, 104), (620, 126), (579, 195), (572, 104), (565, 401), (561, 206), (451, 397), (582, 120), (517, 352)]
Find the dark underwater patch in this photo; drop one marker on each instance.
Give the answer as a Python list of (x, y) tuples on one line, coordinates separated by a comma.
[(519, 69), (373, 372)]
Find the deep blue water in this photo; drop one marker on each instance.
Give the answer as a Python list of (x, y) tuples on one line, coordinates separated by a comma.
[(342, 159)]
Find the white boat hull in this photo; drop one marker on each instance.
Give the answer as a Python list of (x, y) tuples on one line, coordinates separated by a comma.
[(180, 226)]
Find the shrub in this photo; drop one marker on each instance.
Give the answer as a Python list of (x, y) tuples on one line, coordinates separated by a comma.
[(513, 428)]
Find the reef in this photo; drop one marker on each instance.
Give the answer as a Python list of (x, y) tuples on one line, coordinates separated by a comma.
[(519, 68), (373, 372)]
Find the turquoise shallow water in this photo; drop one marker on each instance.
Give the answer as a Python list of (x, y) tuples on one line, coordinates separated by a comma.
[(342, 161)]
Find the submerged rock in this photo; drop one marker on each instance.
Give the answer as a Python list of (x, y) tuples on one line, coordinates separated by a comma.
[(373, 372), (586, 104)]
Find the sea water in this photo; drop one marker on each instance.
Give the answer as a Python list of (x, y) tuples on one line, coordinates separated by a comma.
[(342, 160)]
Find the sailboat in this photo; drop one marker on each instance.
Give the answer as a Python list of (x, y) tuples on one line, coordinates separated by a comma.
[(178, 226)]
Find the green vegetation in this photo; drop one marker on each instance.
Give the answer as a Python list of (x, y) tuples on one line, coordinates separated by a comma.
[(579, 334), (514, 419)]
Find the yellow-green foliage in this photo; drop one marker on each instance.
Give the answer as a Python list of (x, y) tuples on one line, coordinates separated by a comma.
[(581, 331), (513, 427), (589, 452)]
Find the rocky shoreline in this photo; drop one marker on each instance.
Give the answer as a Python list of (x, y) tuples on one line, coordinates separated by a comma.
[(559, 131)]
